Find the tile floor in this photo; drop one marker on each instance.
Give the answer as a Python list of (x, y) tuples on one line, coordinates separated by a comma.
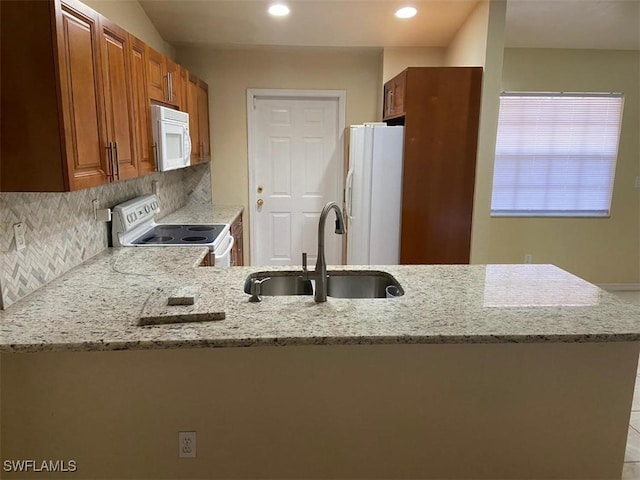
[(631, 468)]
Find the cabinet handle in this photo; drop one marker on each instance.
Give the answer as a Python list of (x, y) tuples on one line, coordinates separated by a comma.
[(169, 80), (117, 159), (154, 145), (202, 151), (110, 161), (389, 101)]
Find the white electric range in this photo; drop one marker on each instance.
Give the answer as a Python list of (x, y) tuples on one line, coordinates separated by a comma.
[(133, 225)]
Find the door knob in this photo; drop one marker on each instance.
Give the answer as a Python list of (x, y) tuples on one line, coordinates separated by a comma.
[(260, 202)]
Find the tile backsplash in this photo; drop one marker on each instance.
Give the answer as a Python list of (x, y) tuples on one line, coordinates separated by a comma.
[(61, 232)]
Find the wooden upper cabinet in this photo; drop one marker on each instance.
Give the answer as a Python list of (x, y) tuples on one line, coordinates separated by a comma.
[(155, 75), (141, 107), (82, 96), (164, 78), (184, 89), (192, 110), (77, 89), (203, 121), (394, 96), (55, 141), (119, 106), (174, 82), (198, 109)]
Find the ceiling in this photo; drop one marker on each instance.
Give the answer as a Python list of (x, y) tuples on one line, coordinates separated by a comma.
[(327, 23), (604, 24)]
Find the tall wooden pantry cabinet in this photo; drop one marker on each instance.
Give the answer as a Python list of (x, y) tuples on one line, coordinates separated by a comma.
[(440, 110)]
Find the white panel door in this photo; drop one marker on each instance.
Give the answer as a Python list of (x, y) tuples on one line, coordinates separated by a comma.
[(296, 171)]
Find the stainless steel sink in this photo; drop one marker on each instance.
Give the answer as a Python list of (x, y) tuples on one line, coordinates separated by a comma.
[(279, 283), (340, 284), (362, 284)]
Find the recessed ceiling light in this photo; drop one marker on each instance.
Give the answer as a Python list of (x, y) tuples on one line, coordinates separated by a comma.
[(278, 10), (406, 12)]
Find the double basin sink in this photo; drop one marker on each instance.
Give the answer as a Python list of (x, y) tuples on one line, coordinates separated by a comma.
[(340, 284)]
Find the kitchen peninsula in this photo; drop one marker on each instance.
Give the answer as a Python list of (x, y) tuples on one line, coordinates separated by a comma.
[(477, 371)]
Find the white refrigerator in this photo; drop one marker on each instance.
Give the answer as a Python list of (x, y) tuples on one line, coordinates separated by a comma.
[(373, 194)]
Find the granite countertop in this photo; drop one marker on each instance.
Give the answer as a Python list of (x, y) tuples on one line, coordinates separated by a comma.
[(97, 306)]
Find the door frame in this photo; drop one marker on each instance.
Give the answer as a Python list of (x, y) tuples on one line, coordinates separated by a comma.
[(254, 93)]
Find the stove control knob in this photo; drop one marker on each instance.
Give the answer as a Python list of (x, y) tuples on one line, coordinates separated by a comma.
[(147, 209)]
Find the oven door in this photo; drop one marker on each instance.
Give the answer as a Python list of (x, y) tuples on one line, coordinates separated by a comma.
[(174, 145), (223, 252)]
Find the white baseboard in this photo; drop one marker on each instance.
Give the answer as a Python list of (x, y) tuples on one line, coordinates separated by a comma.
[(620, 287)]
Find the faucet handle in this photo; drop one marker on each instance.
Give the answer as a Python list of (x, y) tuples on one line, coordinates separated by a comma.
[(256, 289), (304, 261)]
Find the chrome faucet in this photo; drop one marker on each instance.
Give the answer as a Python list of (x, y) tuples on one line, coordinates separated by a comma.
[(320, 273)]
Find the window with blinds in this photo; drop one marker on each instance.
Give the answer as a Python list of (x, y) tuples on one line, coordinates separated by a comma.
[(556, 154)]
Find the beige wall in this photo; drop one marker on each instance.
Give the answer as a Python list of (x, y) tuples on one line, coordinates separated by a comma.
[(480, 42), (130, 15), (468, 46), (229, 72), (356, 411), (599, 250), (396, 59), (490, 106)]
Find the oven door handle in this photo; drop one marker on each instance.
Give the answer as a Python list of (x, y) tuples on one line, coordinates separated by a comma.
[(227, 249)]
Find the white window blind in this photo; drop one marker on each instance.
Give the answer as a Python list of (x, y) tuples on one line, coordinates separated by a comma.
[(556, 154)]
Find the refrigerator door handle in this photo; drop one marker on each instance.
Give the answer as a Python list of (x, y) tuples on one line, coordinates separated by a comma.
[(349, 194)]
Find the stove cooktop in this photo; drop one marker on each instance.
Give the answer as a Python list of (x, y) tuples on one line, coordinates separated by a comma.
[(180, 235), (133, 224)]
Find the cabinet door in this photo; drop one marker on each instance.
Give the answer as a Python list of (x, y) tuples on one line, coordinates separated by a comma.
[(116, 73), (388, 99), (399, 89), (442, 118), (184, 89), (192, 110), (394, 96), (203, 120), (237, 251), (81, 95), (174, 84), (141, 108), (156, 75)]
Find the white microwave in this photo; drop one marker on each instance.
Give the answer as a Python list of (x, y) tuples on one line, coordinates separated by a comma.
[(171, 138)]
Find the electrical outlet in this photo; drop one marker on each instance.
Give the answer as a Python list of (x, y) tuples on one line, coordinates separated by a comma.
[(637, 182), (94, 204), (187, 444), (528, 258), (19, 230)]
